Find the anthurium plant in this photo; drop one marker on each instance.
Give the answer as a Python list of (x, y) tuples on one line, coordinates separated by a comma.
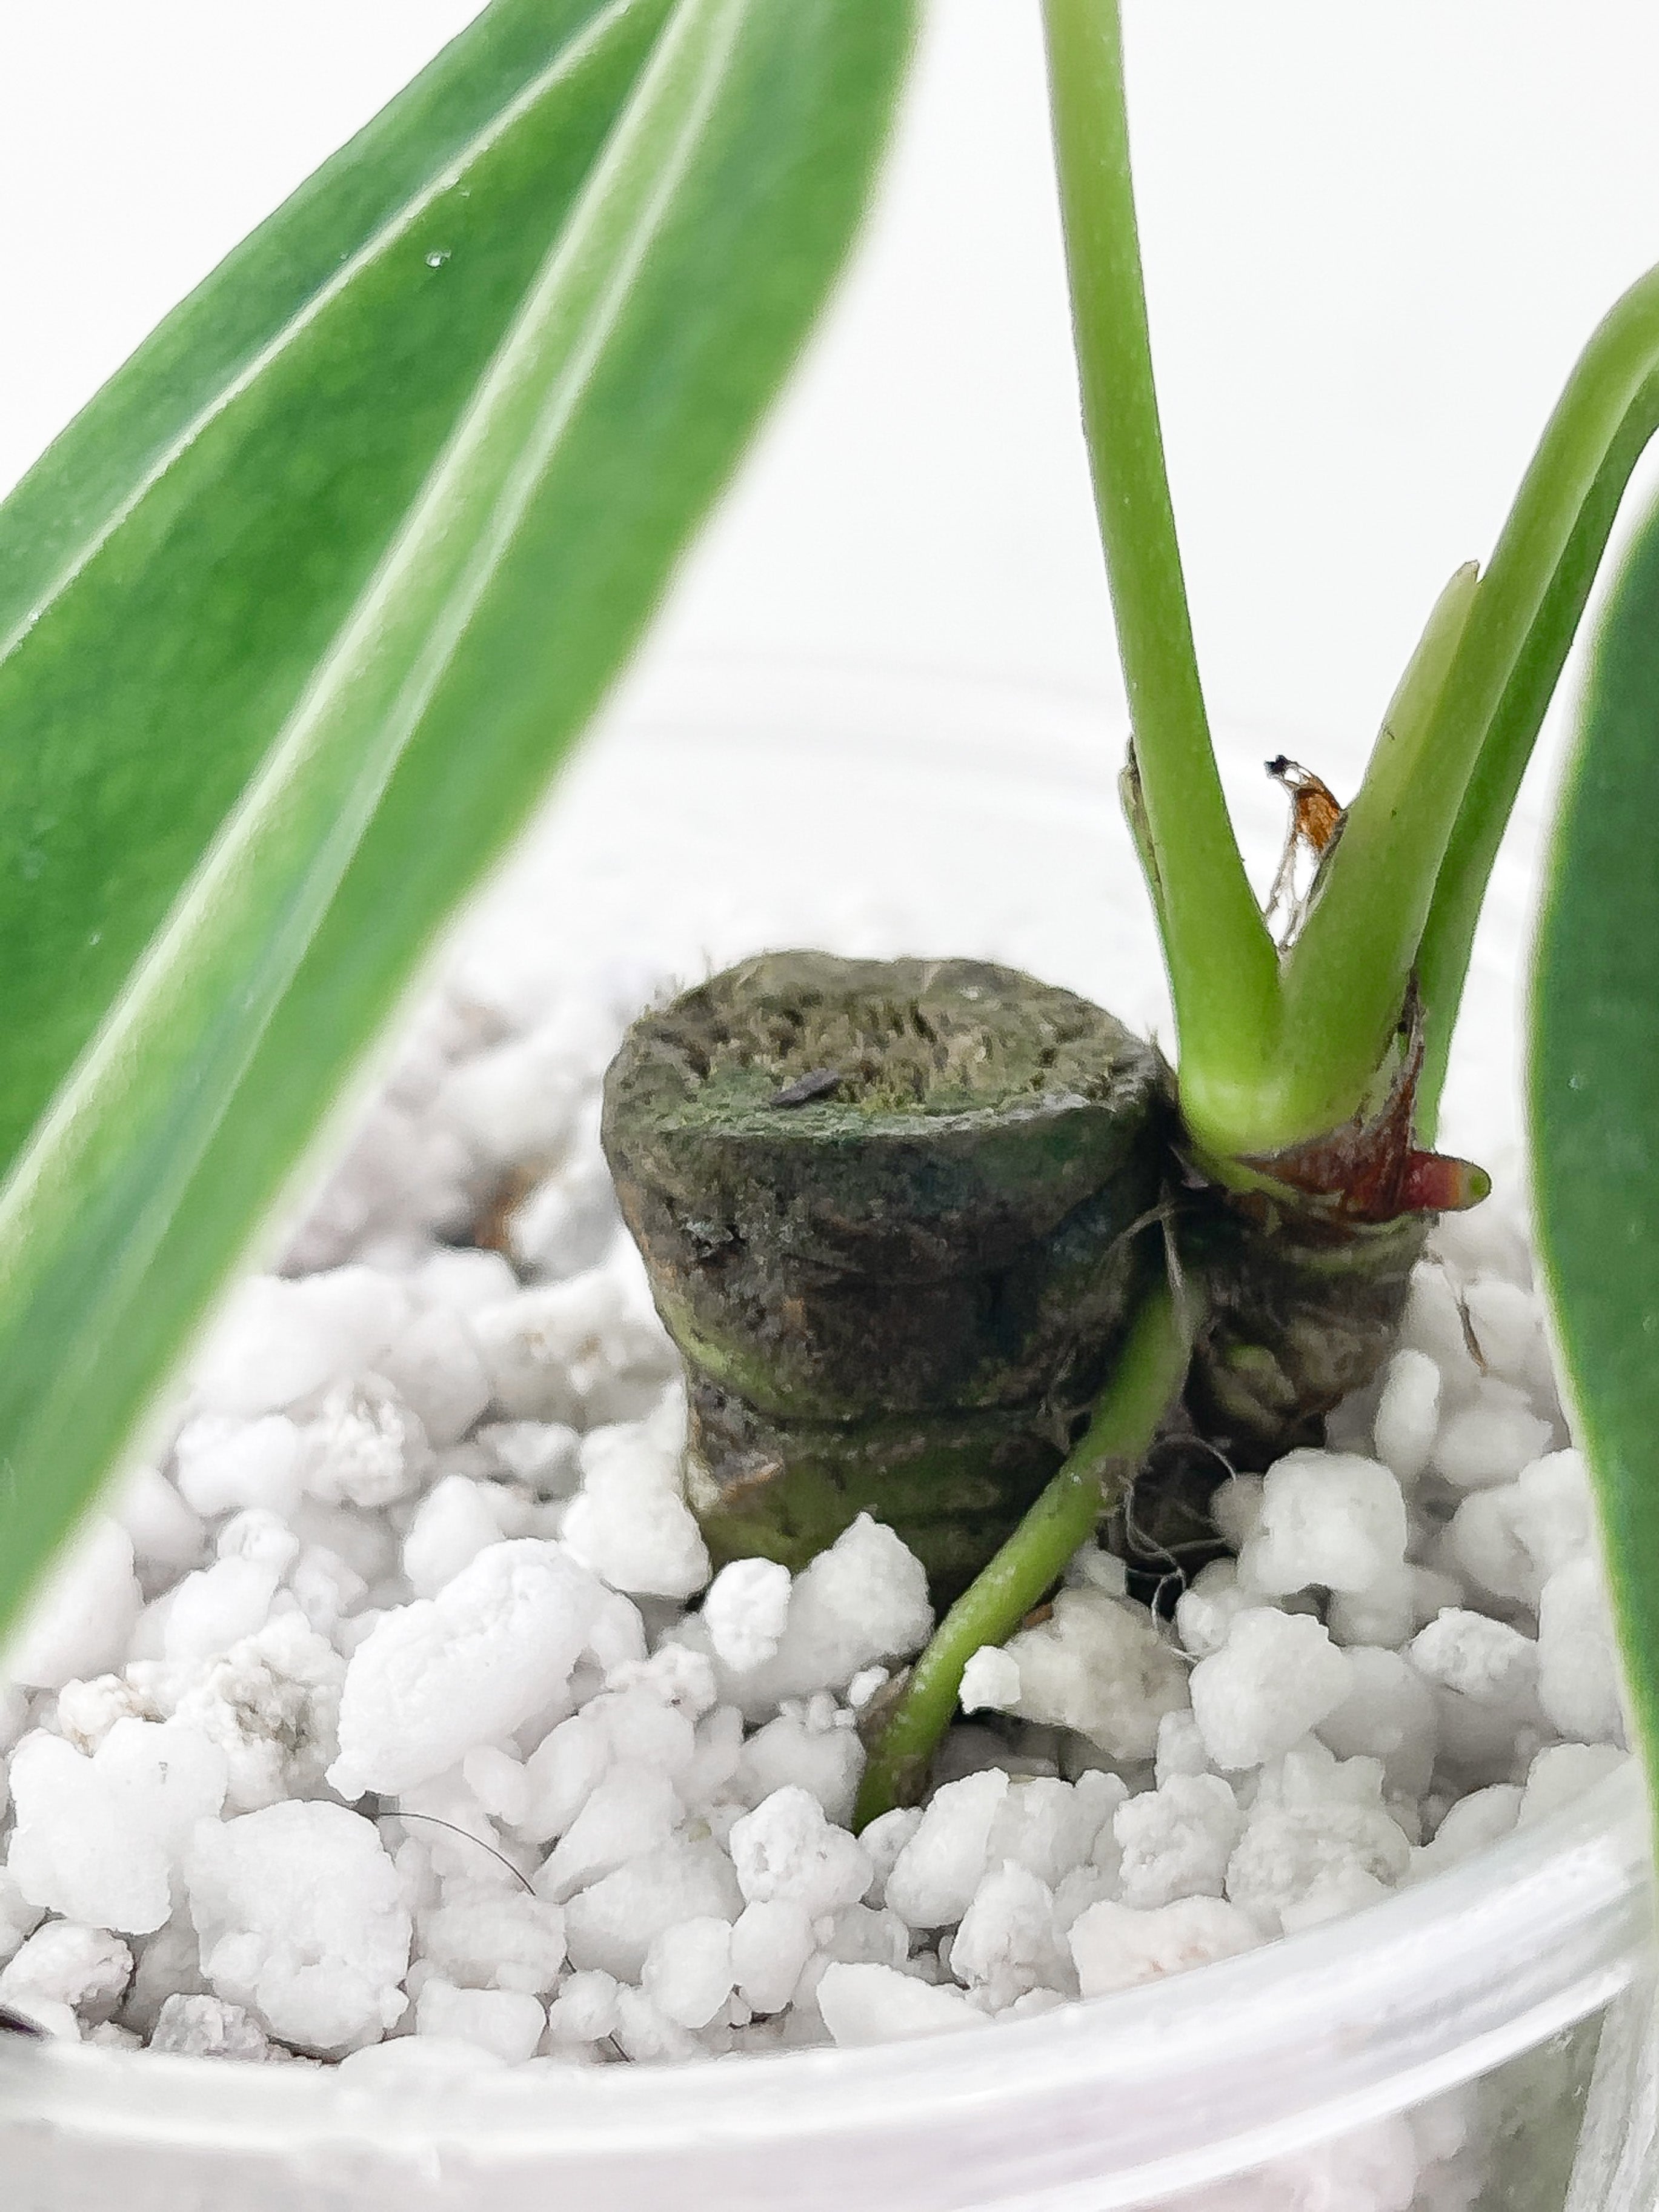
[(298, 618), (1311, 1062)]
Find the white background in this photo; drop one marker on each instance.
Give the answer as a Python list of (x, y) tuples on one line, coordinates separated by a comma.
[(1375, 238)]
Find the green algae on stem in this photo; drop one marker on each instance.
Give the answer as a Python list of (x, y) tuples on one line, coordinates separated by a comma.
[(1145, 1382), (893, 1216)]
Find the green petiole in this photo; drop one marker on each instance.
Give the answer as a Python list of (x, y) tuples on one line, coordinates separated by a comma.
[(1571, 497), (1406, 884), (1150, 1370), (1223, 967), (1273, 1052)]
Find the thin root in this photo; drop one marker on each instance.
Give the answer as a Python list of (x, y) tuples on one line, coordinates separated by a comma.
[(433, 1820)]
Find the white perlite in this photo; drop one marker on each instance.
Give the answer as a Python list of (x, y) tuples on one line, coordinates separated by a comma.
[(864, 1599), (81, 1622), (433, 1678), (1328, 1518), (1277, 1675), (745, 1609), (419, 1543), (102, 1838), (1115, 1946), (301, 1921), (1098, 1665)]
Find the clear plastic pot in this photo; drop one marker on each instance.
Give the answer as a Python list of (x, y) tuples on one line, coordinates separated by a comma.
[(1434, 2053)]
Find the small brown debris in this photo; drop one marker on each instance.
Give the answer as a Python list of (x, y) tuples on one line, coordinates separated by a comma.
[(489, 1230), (1315, 822), (1315, 817)]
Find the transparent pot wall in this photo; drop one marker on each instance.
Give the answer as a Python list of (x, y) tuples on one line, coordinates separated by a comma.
[(1482, 2043)]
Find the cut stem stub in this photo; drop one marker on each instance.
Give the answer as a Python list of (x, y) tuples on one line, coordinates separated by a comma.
[(889, 1209)]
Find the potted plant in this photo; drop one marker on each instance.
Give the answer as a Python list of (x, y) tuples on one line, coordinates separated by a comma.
[(1301, 1108)]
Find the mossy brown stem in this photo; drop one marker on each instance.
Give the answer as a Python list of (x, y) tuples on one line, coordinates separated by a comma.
[(889, 1214), (1306, 1256), (1300, 1310)]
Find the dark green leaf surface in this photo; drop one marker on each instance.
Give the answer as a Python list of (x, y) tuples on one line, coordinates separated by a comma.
[(305, 608), (1594, 1105)]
